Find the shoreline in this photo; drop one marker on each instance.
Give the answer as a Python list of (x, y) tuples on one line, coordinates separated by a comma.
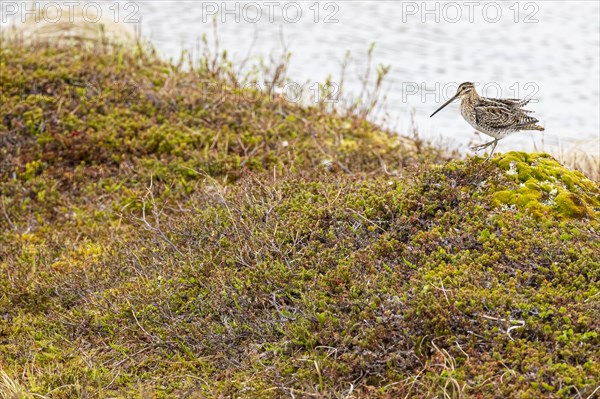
[(581, 155)]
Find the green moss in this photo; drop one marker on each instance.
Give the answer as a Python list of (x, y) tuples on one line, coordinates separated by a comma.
[(545, 187), (571, 205), (167, 243)]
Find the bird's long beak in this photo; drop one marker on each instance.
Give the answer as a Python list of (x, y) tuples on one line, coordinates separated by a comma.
[(446, 103)]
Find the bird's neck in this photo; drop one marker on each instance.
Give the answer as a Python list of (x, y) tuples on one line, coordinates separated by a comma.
[(472, 96)]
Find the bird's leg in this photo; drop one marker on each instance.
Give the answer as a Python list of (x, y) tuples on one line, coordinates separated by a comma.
[(493, 148), (483, 146)]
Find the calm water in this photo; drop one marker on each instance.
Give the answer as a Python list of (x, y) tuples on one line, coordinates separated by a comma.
[(548, 49)]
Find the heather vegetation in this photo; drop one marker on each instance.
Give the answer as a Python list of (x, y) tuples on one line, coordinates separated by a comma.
[(159, 241)]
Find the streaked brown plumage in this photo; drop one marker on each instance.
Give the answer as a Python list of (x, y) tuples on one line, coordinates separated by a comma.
[(498, 118)]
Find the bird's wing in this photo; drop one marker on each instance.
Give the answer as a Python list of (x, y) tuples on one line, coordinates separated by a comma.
[(515, 102), (499, 116), (511, 102)]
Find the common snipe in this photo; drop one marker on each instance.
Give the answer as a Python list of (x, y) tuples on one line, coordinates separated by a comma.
[(498, 118)]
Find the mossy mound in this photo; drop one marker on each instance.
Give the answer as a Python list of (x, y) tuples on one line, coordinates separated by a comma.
[(546, 187), (169, 244), (63, 109)]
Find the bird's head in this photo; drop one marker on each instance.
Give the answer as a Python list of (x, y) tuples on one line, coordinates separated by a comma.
[(465, 89)]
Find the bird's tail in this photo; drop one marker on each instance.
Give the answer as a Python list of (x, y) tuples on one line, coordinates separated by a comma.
[(533, 126)]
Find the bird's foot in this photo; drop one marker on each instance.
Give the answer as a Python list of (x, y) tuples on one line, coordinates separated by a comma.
[(481, 146), (492, 143)]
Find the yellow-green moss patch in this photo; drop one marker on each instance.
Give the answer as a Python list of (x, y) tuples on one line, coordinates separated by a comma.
[(546, 187)]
